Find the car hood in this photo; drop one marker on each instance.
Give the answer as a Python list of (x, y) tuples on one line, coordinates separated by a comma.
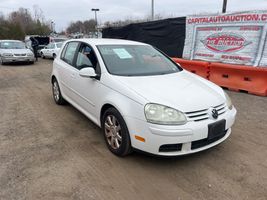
[(183, 90), (16, 51)]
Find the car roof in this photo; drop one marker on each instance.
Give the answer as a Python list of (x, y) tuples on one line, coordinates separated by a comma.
[(106, 41)]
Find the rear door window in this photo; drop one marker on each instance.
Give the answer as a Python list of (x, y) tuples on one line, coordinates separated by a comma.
[(69, 52)]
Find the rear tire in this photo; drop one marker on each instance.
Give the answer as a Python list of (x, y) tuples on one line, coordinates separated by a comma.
[(42, 55), (116, 133), (57, 93)]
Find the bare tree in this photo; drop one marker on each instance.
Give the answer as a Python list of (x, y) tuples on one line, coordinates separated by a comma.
[(21, 17), (89, 26), (38, 13), (130, 20), (2, 17), (82, 27)]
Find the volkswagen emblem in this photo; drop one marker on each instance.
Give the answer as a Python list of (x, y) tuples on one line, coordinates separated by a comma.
[(214, 113)]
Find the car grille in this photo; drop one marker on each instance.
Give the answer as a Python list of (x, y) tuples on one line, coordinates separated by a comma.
[(204, 142), (22, 54), (194, 145), (203, 114)]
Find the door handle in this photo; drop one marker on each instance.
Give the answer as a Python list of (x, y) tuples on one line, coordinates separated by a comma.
[(72, 75)]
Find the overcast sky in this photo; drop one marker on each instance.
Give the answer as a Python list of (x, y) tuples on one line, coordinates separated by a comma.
[(62, 12)]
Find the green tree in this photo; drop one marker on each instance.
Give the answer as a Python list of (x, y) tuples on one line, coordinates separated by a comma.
[(20, 23)]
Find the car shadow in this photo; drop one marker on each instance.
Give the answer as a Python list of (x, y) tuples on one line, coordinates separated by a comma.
[(15, 64)]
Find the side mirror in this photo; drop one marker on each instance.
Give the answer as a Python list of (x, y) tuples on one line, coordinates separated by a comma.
[(88, 72)]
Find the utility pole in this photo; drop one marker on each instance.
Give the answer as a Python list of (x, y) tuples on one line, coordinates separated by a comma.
[(95, 10), (52, 26), (224, 6), (152, 10)]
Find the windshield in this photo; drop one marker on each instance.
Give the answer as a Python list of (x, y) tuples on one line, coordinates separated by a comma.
[(58, 40), (136, 60), (12, 45)]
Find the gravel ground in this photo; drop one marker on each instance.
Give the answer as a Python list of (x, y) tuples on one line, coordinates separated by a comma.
[(55, 152)]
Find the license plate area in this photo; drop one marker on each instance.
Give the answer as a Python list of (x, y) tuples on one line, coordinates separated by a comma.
[(216, 129), (21, 59)]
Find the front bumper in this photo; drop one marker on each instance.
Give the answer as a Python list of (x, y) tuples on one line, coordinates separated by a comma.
[(18, 59), (185, 135)]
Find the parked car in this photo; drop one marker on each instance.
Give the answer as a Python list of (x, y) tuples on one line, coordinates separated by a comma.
[(51, 50), (56, 39), (15, 51), (42, 42), (141, 98)]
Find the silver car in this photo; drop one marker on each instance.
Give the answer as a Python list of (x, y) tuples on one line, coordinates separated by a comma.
[(15, 51)]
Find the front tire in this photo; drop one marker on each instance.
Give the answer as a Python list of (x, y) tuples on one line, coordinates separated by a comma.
[(116, 133), (2, 62), (57, 93)]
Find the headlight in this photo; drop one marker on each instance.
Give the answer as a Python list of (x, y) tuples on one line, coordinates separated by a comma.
[(7, 54), (159, 114), (228, 101)]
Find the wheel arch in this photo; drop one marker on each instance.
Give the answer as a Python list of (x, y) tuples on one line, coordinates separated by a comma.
[(53, 77), (104, 108), (125, 108)]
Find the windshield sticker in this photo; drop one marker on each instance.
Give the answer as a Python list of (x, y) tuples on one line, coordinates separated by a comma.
[(122, 53)]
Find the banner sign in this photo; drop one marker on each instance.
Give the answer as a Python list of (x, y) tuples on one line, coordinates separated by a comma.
[(238, 38)]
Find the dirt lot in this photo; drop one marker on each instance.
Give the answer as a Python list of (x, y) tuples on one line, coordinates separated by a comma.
[(54, 152)]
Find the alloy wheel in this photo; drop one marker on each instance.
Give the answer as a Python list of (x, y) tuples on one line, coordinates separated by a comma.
[(56, 91), (113, 132)]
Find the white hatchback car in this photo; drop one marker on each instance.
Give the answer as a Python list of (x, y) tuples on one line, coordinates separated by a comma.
[(141, 98), (51, 50)]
